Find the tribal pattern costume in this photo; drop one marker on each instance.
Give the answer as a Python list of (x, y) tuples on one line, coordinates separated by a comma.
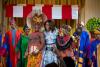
[(36, 43)]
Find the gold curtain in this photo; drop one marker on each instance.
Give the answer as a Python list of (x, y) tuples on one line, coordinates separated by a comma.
[(60, 2), (38, 1), (47, 1), (64, 2), (30, 2)]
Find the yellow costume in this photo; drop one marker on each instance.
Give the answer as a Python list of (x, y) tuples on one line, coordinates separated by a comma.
[(34, 60)]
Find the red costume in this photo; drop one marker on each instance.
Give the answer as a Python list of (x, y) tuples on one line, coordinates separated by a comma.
[(12, 61)]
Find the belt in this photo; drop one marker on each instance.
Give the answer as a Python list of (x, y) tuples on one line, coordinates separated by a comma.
[(50, 43), (49, 47)]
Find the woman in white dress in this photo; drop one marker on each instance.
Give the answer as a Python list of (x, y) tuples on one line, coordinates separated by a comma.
[(50, 34)]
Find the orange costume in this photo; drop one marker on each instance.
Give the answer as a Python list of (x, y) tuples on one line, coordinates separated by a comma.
[(35, 55)]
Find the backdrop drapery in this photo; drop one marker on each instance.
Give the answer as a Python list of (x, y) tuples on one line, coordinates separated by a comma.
[(52, 11)]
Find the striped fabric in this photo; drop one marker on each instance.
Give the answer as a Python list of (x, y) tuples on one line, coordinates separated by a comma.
[(51, 11)]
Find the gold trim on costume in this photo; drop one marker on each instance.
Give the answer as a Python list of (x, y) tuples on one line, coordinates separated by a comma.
[(79, 65), (76, 49), (80, 60)]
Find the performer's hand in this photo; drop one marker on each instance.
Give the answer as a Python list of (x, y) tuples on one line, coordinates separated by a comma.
[(35, 50), (54, 45), (26, 54)]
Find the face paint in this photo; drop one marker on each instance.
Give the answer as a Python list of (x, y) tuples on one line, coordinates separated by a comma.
[(27, 30)]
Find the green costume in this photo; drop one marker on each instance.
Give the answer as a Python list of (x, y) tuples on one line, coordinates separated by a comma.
[(22, 47)]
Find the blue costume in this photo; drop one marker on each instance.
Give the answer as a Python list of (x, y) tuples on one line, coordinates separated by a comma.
[(2, 47), (84, 42), (0, 39), (93, 52)]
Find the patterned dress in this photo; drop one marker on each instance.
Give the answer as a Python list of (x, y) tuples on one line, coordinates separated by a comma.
[(48, 55)]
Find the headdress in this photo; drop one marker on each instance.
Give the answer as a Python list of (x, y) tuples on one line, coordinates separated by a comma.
[(67, 29), (36, 18), (96, 31)]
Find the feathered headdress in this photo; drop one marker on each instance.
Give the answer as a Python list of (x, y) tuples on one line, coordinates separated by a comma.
[(37, 19)]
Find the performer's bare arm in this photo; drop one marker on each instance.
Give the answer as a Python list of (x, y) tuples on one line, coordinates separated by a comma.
[(42, 41)]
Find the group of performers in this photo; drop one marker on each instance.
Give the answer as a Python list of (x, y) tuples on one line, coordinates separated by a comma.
[(50, 47)]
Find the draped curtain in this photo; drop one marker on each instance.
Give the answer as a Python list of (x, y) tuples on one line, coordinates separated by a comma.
[(80, 3)]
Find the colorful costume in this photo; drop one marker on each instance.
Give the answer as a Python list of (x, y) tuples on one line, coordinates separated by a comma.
[(21, 47), (64, 42), (93, 52), (0, 39), (49, 56), (35, 43), (11, 39), (0, 46), (83, 44), (2, 52)]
